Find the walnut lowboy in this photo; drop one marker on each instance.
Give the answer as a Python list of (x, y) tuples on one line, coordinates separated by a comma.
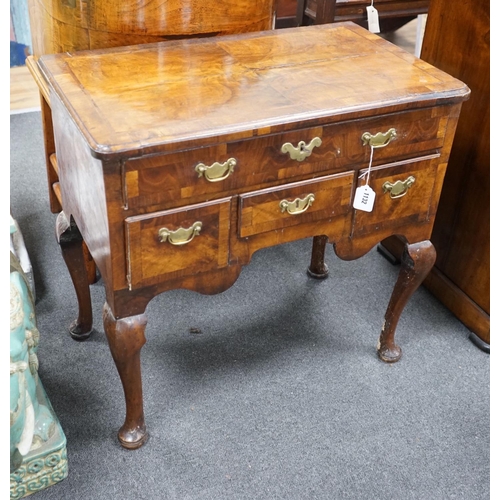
[(178, 160)]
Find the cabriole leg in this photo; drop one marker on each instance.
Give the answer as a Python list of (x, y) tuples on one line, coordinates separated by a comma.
[(318, 269), (126, 338), (416, 263), (71, 243)]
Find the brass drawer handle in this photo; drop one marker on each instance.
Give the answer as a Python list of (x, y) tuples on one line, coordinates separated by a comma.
[(217, 171), (302, 151), (380, 139), (297, 206), (399, 188), (180, 236)]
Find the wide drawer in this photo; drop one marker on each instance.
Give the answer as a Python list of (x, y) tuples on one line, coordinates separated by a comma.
[(209, 172), (403, 196), (298, 203), (164, 244)]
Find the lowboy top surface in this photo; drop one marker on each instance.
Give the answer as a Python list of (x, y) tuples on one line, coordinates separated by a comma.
[(162, 96)]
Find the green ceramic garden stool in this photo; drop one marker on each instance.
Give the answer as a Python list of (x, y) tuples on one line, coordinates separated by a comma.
[(37, 442)]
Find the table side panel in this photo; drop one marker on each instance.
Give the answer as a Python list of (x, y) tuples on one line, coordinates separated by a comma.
[(83, 187)]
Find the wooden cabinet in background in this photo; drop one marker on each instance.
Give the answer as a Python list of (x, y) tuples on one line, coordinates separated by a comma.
[(289, 13), (392, 13), (457, 40)]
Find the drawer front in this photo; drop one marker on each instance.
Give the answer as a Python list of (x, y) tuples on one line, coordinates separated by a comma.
[(298, 203), (175, 242), (403, 195), (205, 173)]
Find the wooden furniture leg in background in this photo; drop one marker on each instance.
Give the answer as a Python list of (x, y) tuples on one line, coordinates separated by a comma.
[(318, 269), (325, 12), (392, 249), (89, 265), (416, 262), (72, 248), (126, 338), (50, 151), (289, 13)]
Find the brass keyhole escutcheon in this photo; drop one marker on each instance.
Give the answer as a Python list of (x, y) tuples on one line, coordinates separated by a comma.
[(398, 189), (302, 151)]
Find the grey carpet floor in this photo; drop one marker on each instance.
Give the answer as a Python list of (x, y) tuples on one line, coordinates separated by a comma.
[(281, 396)]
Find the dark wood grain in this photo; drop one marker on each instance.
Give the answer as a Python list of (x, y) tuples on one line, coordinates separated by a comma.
[(457, 40), (49, 149), (392, 13), (318, 268), (289, 13), (324, 11)]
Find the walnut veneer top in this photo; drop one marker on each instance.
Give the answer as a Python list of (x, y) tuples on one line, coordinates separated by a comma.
[(163, 96)]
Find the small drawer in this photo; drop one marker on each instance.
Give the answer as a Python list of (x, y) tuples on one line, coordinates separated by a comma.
[(298, 203), (403, 196), (241, 166), (172, 243), (395, 137), (223, 169)]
